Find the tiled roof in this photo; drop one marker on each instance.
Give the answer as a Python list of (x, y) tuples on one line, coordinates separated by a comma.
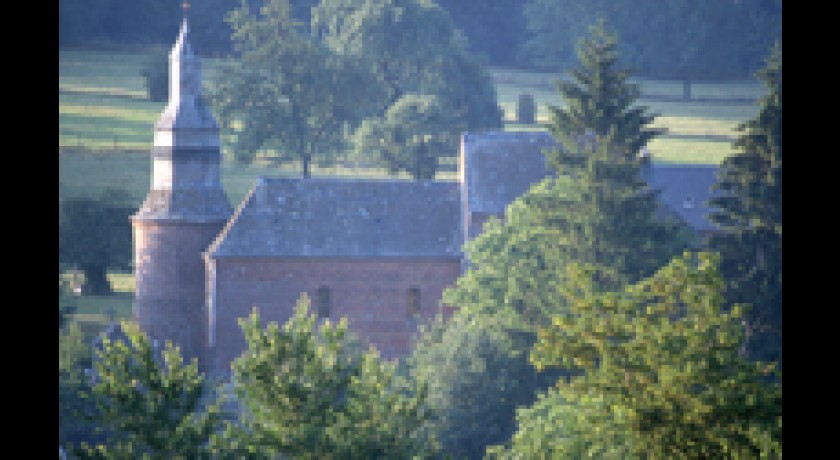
[(686, 190), (502, 165), (344, 218), (199, 205)]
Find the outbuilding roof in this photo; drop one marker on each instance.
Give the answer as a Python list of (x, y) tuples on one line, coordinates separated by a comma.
[(499, 166), (686, 190)]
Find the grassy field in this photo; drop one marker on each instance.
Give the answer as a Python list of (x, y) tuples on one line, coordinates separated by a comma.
[(102, 107), (698, 131), (94, 313)]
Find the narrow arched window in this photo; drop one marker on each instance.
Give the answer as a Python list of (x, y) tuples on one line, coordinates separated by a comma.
[(322, 299), (412, 310)]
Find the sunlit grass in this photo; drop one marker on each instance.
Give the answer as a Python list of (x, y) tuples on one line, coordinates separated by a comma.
[(667, 150), (697, 126), (103, 107)]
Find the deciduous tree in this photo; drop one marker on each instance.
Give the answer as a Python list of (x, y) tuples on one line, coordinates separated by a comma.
[(681, 39), (660, 373), (95, 235), (309, 391), (411, 136), (412, 48), (598, 209), (74, 357), (286, 96), (477, 375)]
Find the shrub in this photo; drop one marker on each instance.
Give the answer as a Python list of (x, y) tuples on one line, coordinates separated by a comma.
[(156, 74), (526, 109)]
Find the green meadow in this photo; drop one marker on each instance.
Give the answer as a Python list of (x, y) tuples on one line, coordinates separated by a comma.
[(106, 122)]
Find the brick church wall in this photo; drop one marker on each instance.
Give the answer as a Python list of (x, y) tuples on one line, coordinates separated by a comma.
[(371, 293)]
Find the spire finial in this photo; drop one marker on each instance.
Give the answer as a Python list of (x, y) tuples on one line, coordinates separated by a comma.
[(185, 5)]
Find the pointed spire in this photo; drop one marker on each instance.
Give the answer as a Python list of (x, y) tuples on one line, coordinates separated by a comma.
[(186, 107)]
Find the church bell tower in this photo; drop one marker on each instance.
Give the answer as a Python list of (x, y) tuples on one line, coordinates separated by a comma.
[(184, 211)]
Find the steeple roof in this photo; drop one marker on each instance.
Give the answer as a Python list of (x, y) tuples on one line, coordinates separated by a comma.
[(186, 108)]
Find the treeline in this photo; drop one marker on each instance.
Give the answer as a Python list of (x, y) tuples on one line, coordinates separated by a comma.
[(673, 39)]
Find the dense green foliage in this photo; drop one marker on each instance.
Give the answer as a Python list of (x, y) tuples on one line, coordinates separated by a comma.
[(310, 391), (673, 39), (155, 74), (477, 376), (660, 373), (148, 402), (600, 107), (286, 96), (74, 356), (94, 234), (750, 215), (651, 352), (495, 29), (410, 136), (598, 210), (606, 215), (383, 36)]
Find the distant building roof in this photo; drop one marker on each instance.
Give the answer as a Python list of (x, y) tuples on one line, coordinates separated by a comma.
[(284, 217), (686, 190), (498, 166)]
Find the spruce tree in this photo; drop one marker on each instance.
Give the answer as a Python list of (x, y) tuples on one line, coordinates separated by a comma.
[(599, 103), (598, 210), (148, 403), (750, 214)]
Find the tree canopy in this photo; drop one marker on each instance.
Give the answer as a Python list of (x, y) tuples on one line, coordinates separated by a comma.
[(660, 373), (94, 233), (675, 39), (411, 135), (311, 391), (477, 375), (286, 96), (384, 36), (148, 403), (600, 106), (749, 213), (597, 210)]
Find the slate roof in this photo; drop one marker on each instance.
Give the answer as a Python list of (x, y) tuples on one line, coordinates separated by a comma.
[(283, 217), (186, 108), (686, 190), (202, 205), (498, 166)]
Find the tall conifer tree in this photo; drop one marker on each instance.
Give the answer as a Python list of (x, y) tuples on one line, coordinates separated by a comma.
[(750, 214), (598, 210), (604, 215), (599, 103)]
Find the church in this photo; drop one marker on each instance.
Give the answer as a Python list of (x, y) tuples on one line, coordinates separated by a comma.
[(378, 252)]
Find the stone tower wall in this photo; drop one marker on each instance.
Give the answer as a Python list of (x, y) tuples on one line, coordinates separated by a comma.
[(169, 277)]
